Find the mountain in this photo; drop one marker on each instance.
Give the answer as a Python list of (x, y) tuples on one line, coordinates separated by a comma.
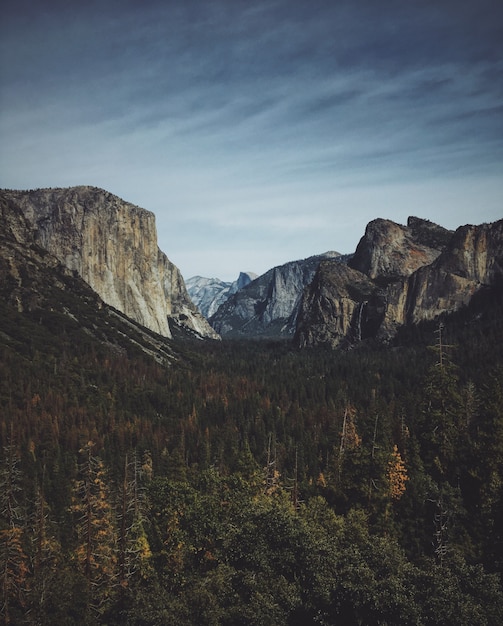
[(399, 275), (112, 245), (267, 307), (37, 289), (209, 293), (389, 251), (146, 480)]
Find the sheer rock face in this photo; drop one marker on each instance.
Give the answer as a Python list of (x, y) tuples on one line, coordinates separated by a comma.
[(24, 266), (390, 251), (268, 306), (472, 260), (210, 293), (331, 311), (400, 275), (112, 245)]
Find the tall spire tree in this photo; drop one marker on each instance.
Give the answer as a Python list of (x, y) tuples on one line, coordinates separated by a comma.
[(96, 551), (13, 559)]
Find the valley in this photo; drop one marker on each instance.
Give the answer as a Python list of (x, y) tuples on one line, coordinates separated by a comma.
[(152, 478)]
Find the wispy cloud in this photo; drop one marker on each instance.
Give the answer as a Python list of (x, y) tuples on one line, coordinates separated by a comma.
[(273, 129)]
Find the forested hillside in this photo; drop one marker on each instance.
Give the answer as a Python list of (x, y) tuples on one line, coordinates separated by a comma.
[(251, 483)]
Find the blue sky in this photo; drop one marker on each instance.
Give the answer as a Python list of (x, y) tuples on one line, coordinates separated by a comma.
[(259, 132)]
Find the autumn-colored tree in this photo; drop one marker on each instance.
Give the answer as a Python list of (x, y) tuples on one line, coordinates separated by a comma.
[(13, 559), (46, 560), (397, 475), (96, 551), (133, 547), (350, 439)]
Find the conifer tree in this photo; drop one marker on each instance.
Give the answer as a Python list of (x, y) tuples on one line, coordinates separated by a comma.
[(13, 558), (397, 475), (445, 426), (271, 472), (350, 445), (96, 551), (133, 547), (46, 559)]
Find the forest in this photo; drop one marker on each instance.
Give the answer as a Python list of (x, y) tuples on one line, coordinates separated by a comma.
[(248, 483)]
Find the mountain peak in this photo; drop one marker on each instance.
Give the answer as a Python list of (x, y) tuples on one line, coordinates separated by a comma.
[(112, 245), (391, 250), (208, 294)]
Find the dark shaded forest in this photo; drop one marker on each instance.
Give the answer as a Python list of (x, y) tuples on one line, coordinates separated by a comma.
[(249, 483)]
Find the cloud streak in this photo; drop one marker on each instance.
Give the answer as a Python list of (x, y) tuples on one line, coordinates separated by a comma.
[(276, 129)]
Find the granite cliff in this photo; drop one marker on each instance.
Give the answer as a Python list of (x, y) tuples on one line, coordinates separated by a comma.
[(399, 275), (210, 293), (473, 260), (112, 245), (389, 251), (268, 306), (36, 284)]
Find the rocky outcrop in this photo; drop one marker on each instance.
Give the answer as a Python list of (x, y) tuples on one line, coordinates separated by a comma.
[(33, 281), (472, 260), (399, 275), (210, 293), (268, 306), (332, 308), (112, 245), (390, 251)]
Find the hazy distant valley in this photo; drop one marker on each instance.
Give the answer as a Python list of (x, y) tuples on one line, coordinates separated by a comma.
[(321, 444)]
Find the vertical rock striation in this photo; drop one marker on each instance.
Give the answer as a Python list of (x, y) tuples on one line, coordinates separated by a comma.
[(112, 245), (400, 275), (472, 260), (210, 293), (268, 306)]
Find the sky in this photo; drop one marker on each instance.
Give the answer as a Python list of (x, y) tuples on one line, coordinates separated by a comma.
[(258, 132)]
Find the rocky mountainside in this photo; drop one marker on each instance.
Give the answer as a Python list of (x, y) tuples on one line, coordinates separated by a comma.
[(35, 284), (389, 251), (112, 245), (399, 275), (268, 306), (209, 293)]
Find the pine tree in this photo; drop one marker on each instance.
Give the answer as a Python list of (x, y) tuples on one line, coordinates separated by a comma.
[(133, 547), (350, 442), (397, 475), (96, 551), (46, 560), (271, 472), (443, 408), (13, 559)]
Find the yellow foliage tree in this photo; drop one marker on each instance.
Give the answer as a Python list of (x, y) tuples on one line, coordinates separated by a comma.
[(96, 551), (397, 474), (350, 438)]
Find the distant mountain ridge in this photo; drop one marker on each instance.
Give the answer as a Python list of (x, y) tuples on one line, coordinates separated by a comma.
[(268, 306), (209, 293), (399, 275)]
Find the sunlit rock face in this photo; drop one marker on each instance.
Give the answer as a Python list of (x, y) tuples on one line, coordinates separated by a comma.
[(389, 251), (208, 294), (112, 245), (268, 306)]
